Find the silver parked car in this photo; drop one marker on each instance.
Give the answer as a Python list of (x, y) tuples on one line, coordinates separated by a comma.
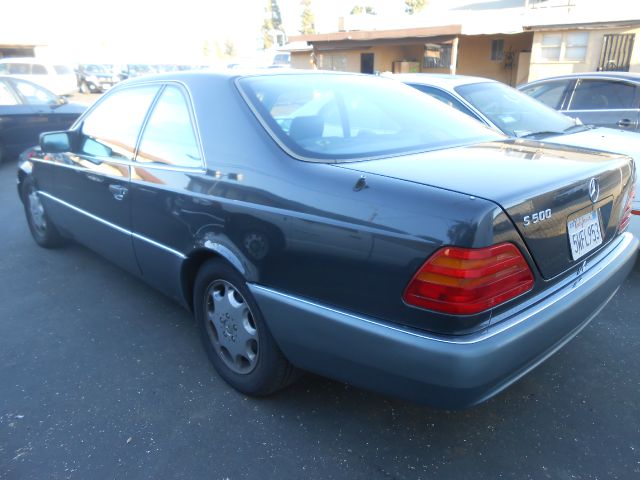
[(604, 99), (509, 111)]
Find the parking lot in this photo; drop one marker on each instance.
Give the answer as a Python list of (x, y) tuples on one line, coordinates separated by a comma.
[(103, 377)]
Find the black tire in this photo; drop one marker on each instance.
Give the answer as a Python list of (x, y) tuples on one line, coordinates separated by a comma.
[(268, 370), (84, 88), (43, 231)]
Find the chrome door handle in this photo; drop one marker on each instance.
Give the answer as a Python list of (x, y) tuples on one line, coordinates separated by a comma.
[(118, 191), (624, 123)]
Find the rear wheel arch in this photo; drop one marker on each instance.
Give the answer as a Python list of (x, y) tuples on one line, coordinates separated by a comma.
[(196, 259)]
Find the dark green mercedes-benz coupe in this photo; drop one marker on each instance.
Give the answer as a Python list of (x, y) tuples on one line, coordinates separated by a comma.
[(342, 224)]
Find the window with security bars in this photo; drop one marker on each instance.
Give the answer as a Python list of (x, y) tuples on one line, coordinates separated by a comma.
[(616, 52)]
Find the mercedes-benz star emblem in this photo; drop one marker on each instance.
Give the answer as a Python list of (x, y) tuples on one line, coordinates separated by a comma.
[(594, 190)]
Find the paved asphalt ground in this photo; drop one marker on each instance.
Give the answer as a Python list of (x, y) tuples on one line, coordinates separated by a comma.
[(102, 377)]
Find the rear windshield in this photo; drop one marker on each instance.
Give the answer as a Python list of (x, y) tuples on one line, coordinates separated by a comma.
[(62, 69), (351, 117)]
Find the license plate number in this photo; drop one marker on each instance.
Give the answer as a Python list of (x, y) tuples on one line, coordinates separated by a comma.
[(584, 234)]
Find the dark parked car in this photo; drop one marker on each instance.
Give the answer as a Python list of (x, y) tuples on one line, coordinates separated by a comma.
[(343, 224), (27, 110), (94, 78), (515, 114), (606, 99)]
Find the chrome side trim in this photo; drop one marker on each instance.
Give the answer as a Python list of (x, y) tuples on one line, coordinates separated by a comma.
[(123, 162), (115, 227), (495, 329)]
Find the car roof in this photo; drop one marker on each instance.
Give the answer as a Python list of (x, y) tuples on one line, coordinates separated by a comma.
[(629, 76), (235, 73), (440, 79), (22, 60)]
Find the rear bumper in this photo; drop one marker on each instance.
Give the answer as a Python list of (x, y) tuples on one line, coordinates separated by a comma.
[(443, 371)]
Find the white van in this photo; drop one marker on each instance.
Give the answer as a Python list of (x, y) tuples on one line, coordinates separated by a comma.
[(59, 78)]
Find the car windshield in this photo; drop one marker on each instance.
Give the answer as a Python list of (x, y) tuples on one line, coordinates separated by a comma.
[(327, 117), (513, 112)]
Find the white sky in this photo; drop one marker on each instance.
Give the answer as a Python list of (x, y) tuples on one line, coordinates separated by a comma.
[(130, 31)]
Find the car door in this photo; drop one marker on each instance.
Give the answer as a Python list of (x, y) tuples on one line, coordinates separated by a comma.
[(605, 103), (166, 215), (92, 182), (16, 121)]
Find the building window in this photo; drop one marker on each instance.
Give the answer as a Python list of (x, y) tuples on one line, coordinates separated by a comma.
[(616, 52), (333, 62), (576, 46), (497, 50), (436, 56), (570, 47), (550, 46)]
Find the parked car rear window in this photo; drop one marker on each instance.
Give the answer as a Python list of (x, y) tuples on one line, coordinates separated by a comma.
[(350, 117), (511, 111), (62, 70), (19, 68), (37, 69), (603, 95)]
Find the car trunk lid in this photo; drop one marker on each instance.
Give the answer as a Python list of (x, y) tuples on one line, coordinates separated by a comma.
[(544, 189)]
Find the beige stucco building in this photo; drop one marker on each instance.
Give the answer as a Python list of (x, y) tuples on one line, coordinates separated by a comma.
[(511, 41), (560, 49), (431, 49)]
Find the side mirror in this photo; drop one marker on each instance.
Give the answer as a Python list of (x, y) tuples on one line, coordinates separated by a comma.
[(55, 142)]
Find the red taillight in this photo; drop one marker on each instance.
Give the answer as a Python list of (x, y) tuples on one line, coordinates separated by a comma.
[(464, 281), (626, 213)]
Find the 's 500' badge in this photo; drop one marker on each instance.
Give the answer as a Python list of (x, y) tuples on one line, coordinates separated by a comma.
[(537, 217)]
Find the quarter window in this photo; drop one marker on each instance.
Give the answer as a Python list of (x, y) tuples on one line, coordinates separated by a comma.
[(112, 128), (444, 98), (169, 137), (602, 94), (549, 93)]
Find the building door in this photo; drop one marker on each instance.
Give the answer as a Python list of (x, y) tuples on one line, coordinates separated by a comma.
[(366, 63)]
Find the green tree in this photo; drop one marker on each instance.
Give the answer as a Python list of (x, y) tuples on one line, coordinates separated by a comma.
[(308, 18), (359, 9), (414, 6), (272, 21), (275, 15)]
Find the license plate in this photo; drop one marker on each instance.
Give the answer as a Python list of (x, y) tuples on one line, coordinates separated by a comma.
[(584, 234)]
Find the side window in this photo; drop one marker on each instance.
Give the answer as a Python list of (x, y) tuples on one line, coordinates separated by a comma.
[(602, 95), (112, 128), (549, 93), (6, 96), (37, 69), (444, 98), (33, 94), (169, 137), (19, 69)]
